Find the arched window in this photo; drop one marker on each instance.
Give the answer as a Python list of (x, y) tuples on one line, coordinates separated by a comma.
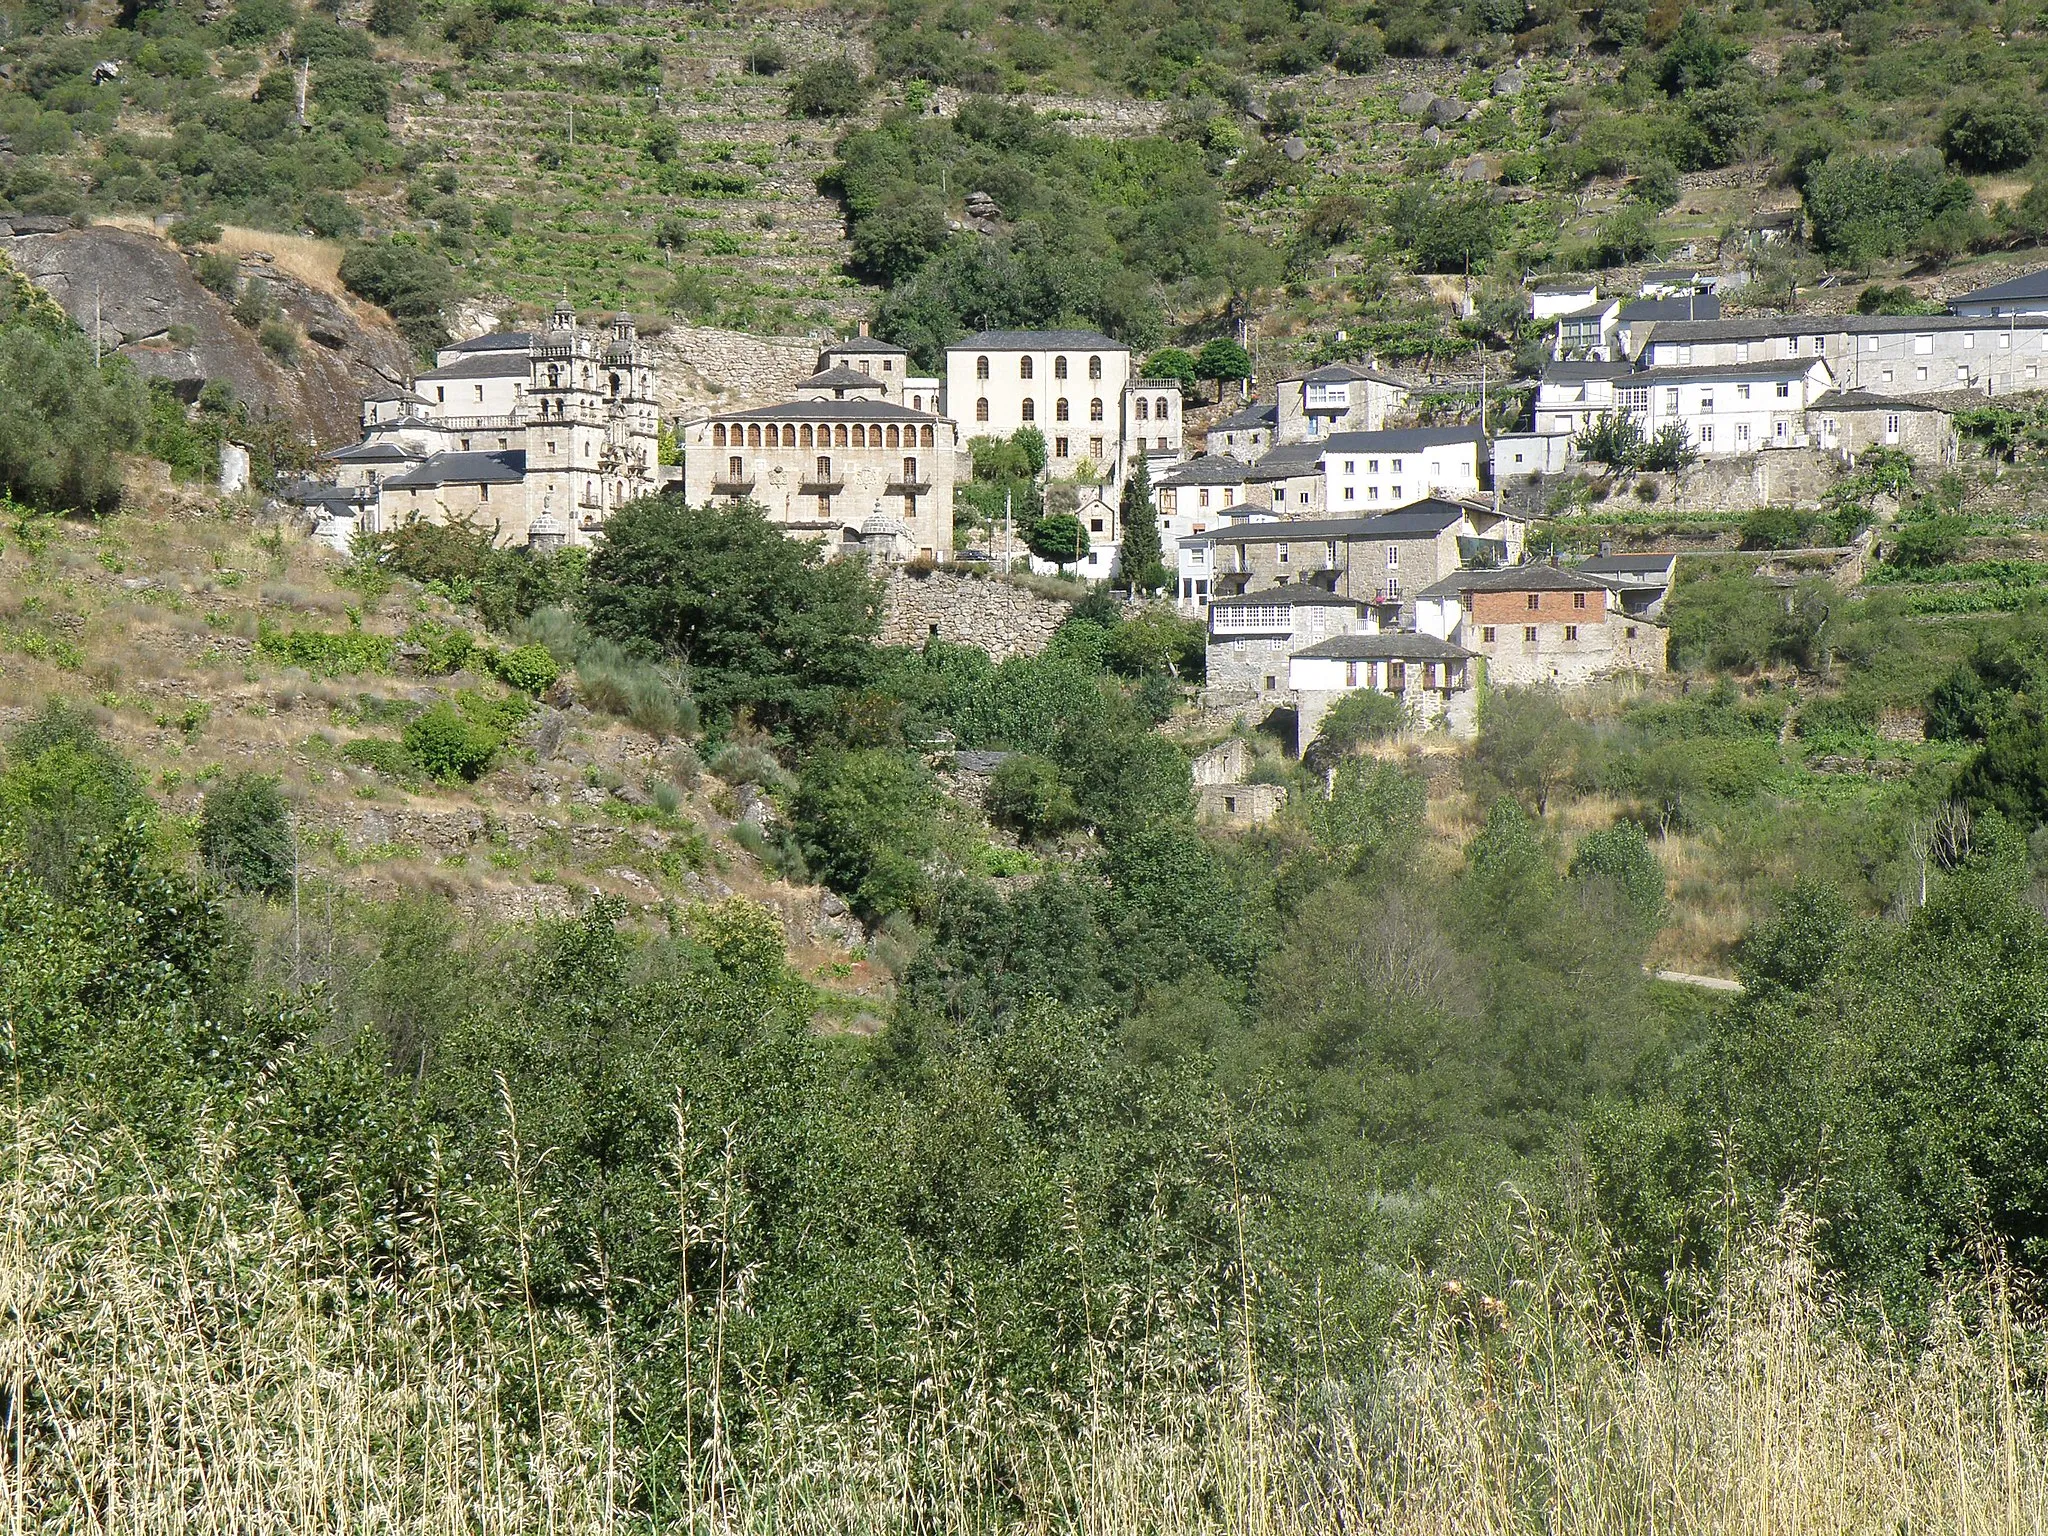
[(807, 438), (753, 437), (839, 436), (1031, 410), (1142, 408), (1059, 409), (718, 437), (1059, 367), (789, 437), (895, 438), (1160, 410), (1095, 410), (1023, 367), (615, 386), (925, 437), (1094, 367), (981, 409), (981, 367), (554, 375)]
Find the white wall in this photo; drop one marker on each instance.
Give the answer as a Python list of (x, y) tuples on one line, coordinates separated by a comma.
[(1006, 392), (1361, 482)]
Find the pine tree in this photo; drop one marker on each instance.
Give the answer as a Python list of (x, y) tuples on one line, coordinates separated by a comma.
[(1143, 563)]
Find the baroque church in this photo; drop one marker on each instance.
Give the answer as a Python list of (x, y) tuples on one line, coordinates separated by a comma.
[(537, 436)]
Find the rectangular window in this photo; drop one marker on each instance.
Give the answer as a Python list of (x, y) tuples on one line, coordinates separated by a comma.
[(1095, 449), (732, 465), (1922, 345), (1350, 674), (1742, 391), (1330, 551), (1535, 601), (1397, 466), (1397, 677), (2004, 343), (1202, 497), (1229, 494), (1571, 631), (1742, 432), (1870, 344), (1393, 557), (1920, 373), (1707, 404), (1350, 466), (1397, 493), (1578, 599), (1059, 448), (1785, 390), (1706, 435), (1429, 674), (1528, 634), (1631, 631), (1372, 492), (1962, 373), (1283, 554), (1887, 375), (479, 394), (483, 493), (1891, 426), (1742, 351), (1969, 342), (1351, 493), (1486, 634), (1372, 466), (1671, 401), (1781, 431)]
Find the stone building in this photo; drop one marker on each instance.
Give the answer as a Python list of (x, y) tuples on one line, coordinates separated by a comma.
[(1537, 624), (1252, 635), (1382, 560), (1075, 387), (538, 437), (1338, 397), (1434, 680), (1850, 421), (1245, 434), (843, 462)]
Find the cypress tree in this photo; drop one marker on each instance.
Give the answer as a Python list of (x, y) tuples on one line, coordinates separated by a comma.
[(1142, 562)]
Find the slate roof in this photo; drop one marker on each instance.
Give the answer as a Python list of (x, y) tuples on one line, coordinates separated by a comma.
[(377, 452), (1207, 469), (864, 346), (1402, 440), (1340, 373), (1388, 645), (396, 392), (1864, 400), (829, 410), (1768, 368), (1288, 459), (1763, 327), (1038, 341), (1293, 594), (841, 377), (2031, 285), (484, 365), (1579, 373), (1653, 563), (1425, 519), (1513, 578), (1695, 307), (496, 341), (1250, 417), (507, 466)]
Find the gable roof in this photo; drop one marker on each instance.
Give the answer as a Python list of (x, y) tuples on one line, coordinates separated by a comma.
[(1579, 373), (1656, 562), (1251, 416), (1769, 327), (1291, 594), (828, 410), (1207, 469), (506, 466), (2030, 285), (1340, 373), (375, 451), (1037, 341), (395, 392), (1387, 645), (841, 377), (1767, 368), (483, 365), (495, 341), (1288, 459), (1864, 400), (1423, 520), (1512, 578), (864, 346), (1403, 440), (1698, 306)]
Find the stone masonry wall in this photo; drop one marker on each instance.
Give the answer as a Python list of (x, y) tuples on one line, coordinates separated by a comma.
[(1002, 619)]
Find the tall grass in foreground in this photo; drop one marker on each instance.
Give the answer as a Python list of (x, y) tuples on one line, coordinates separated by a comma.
[(192, 1358)]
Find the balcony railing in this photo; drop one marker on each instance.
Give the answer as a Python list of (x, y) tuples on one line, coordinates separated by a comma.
[(478, 423), (732, 487)]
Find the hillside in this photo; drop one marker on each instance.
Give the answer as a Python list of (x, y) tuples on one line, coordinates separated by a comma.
[(704, 174)]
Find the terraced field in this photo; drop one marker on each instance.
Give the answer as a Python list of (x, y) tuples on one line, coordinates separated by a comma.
[(553, 125)]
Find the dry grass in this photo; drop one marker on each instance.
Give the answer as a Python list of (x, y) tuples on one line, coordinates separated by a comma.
[(316, 263), (201, 1358)]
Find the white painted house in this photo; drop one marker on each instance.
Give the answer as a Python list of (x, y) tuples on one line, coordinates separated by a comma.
[(1367, 472)]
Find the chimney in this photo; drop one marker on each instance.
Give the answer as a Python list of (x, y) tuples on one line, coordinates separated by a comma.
[(1606, 548), (863, 330)]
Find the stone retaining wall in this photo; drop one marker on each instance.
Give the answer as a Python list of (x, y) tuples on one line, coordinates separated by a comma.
[(1002, 619)]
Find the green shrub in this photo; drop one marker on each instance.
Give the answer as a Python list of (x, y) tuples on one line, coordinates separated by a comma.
[(1776, 528), (382, 755), (1028, 796), (325, 653), (446, 648), (414, 283), (1922, 542), (1621, 855), (445, 744), (827, 88), (245, 834), (64, 790), (529, 668)]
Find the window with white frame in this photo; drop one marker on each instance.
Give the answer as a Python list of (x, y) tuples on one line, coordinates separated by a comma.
[(1785, 390), (1922, 345), (1393, 557)]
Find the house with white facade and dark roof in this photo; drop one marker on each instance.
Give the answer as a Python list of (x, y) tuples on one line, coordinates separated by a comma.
[(1337, 397), (1069, 384), (2024, 295), (1366, 472), (1435, 681)]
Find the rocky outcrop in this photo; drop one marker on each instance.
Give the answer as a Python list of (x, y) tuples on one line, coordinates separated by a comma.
[(156, 314), (1001, 619)]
